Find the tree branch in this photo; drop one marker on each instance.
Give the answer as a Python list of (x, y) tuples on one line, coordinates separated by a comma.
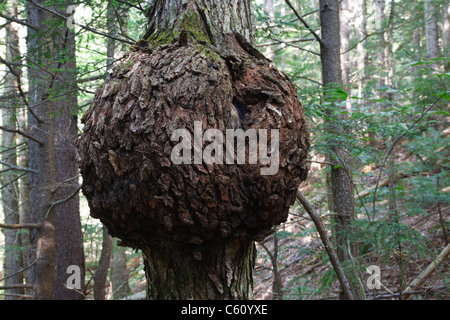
[(328, 245), (20, 226), (56, 13), (18, 21), (16, 286), (276, 41), (56, 203), (428, 271), (22, 133), (295, 46), (394, 143), (12, 167), (305, 23)]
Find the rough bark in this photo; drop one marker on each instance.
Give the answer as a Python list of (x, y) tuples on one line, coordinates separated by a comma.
[(53, 188), (68, 237), (41, 157), (13, 261), (218, 271), (195, 64)]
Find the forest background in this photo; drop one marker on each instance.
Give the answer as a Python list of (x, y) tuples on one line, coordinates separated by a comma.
[(390, 113)]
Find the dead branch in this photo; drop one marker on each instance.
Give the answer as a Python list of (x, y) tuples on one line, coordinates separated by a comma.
[(328, 245), (305, 23), (18, 21), (17, 286), (20, 226), (428, 271), (21, 133), (56, 13), (61, 201), (15, 168), (399, 294)]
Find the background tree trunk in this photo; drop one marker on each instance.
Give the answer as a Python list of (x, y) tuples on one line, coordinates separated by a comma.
[(340, 181), (344, 12), (431, 32), (268, 7), (69, 242), (53, 189), (446, 32), (41, 158), (119, 272), (101, 274), (360, 12), (13, 261)]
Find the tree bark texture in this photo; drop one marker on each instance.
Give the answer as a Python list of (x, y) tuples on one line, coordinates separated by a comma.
[(13, 261), (223, 271), (53, 189), (196, 64)]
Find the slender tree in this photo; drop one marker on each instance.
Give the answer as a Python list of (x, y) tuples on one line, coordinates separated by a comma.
[(13, 261), (340, 179), (52, 124), (345, 18)]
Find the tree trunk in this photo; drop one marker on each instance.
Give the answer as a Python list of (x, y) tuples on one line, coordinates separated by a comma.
[(53, 189), (446, 33), (101, 274), (224, 271), (119, 272), (194, 222), (41, 157), (345, 49), (340, 181), (431, 32), (268, 7), (360, 12), (13, 261), (68, 237)]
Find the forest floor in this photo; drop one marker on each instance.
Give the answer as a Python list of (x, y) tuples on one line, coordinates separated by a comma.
[(306, 272)]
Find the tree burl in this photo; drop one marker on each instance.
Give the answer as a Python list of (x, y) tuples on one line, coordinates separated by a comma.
[(172, 81)]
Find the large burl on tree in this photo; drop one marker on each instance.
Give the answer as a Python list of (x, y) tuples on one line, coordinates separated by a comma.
[(195, 223)]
